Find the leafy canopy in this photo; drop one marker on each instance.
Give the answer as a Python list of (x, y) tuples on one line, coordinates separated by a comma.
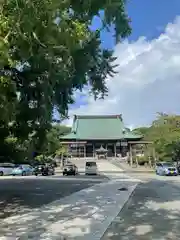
[(47, 51), (51, 51), (165, 134)]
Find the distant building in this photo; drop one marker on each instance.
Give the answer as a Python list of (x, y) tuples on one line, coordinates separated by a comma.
[(90, 132)]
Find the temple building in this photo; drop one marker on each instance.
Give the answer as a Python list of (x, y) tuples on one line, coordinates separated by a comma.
[(92, 132)]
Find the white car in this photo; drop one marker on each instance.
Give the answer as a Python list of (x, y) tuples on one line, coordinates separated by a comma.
[(166, 169), (6, 169), (91, 168)]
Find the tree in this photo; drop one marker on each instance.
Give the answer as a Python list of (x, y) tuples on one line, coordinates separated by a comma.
[(141, 131), (165, 134), (48, 51), (53, 138), (175, 150), (51, 143)]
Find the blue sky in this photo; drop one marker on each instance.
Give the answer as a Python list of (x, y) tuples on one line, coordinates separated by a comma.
[(149, 18), (155, 29)]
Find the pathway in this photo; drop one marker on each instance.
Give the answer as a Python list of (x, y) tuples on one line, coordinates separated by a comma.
[(152, 213)]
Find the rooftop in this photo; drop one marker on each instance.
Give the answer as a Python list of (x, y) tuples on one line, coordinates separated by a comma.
[(99, 127)]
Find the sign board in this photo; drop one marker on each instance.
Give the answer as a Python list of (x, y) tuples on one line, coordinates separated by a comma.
[(124, 143)]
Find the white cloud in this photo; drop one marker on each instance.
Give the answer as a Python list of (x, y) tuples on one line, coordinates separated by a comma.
[(148, 80)]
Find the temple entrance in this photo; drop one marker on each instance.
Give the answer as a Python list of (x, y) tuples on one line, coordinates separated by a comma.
[(77, 149), (89, 150), (110, 148)]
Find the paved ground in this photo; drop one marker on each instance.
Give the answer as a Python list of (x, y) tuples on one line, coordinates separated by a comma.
[(152, 213), (81, 215), (84, 215), (55, 206), (22, 194)]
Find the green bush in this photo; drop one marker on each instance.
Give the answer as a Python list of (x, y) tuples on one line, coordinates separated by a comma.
[(142, 160)]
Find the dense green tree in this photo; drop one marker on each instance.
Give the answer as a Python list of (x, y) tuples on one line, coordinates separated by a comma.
[(141, 130), (48, 51), (53, 138), (165, 134)]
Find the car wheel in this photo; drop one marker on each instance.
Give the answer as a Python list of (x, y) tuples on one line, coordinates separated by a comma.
[(157, 172), (1, 173), (23, 173)]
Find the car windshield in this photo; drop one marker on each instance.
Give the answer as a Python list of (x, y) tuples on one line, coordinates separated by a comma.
[(91, 164), (69, 165), (167, 164), (19, 167)]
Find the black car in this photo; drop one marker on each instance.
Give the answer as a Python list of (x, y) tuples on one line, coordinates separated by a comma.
[(70, 169), (44, 170), (38, 169)]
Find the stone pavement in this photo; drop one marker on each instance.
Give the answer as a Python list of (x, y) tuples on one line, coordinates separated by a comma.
[(152, 213), (84, 215), (110, 170), (105, 167)]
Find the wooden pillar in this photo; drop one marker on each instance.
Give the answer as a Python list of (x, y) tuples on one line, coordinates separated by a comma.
[(115, 150), (84, 150), (130, 154), (136, 157), (93, 150), (147, 155), (61, 160), (105, 146)]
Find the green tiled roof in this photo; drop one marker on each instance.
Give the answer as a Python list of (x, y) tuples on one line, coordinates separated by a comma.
[(69, 136), (99, 127)]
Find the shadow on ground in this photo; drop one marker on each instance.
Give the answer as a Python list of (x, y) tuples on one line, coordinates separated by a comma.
[(79, 216), (23, 195), (152, 213)]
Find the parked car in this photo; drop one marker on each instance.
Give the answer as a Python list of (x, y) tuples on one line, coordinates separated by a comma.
[(166, 169), (70, 169), (6, 169), (47, 170), (91, 168), (38, 169), (23, 170)]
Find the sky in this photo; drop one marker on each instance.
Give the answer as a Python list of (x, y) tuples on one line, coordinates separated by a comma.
[(148, 78)]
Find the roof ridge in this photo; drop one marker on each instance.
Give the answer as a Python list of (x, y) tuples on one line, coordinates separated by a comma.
[(114, 116)]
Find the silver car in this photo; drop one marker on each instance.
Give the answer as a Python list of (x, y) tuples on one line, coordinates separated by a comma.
[(166, 169)]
